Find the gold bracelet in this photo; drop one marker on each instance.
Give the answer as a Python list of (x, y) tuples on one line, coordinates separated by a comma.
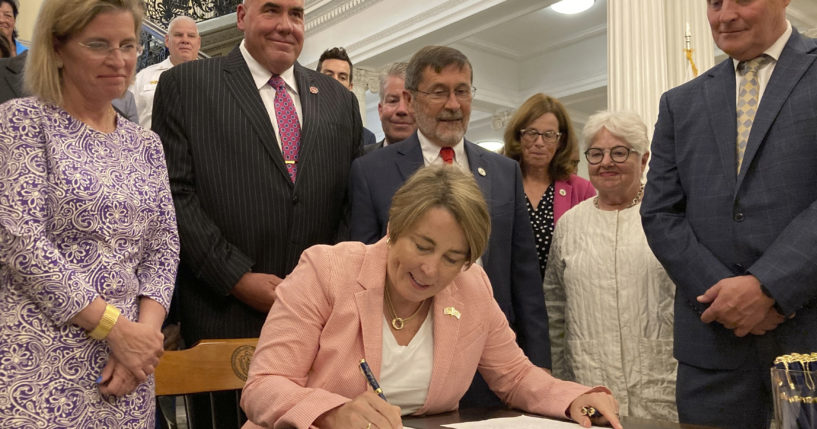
[(109, 318)]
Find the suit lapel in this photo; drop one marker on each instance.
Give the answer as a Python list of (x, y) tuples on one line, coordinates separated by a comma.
[(479, 170), (369, 302), (719, 95), (239, 81), (410, 157), (309, 109), (446, 334), (788, 71)]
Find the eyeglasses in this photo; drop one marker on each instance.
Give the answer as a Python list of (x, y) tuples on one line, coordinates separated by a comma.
[(442, 95), (529, 135), (101, 50), (618, 154)]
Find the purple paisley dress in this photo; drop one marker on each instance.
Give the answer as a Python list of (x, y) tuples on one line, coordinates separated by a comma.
[(82, 214)]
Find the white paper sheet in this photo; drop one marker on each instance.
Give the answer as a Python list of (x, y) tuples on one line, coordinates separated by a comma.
[(520, 422)]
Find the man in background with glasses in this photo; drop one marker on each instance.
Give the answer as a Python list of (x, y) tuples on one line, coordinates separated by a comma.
[(439, 90)]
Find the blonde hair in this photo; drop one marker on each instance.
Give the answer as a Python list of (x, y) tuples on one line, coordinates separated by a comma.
[(533, 108), (446, 187), (57, 21)]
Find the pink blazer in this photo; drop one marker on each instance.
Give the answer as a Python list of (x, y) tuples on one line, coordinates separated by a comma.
[(328, 315), (570, 192)]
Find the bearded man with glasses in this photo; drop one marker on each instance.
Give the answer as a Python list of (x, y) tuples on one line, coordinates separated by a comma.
[(440, 90)]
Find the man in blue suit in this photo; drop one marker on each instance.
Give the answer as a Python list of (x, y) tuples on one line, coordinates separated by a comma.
[(438, 87), (730, 210)]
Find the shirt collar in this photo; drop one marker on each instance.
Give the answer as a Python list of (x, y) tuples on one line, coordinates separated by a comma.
[(776, 49), (261, 76), (431, 151)]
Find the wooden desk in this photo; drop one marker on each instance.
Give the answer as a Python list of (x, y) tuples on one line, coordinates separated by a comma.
[(468, 415)]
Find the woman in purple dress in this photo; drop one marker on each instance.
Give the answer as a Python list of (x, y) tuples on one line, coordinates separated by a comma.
[(88, 241)]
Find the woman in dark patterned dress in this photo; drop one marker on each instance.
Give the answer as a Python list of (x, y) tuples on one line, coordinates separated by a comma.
[(540, 137), (88, 241)]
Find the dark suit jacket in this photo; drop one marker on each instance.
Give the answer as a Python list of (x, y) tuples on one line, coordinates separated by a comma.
[(706, 223), (371, 147), (126, 106), (236, 207), (368, 137), (510, 259), (11, 77)]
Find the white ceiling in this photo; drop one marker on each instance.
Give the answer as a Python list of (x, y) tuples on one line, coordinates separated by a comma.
[(517, 48)]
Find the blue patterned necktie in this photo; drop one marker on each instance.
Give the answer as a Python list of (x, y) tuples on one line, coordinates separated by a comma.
[(288, 125)]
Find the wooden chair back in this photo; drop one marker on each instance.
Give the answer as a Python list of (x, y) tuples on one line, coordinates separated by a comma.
[(209, 366)]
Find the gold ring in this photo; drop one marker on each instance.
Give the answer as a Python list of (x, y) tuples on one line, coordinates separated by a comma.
[(589, 412), (369, 426)]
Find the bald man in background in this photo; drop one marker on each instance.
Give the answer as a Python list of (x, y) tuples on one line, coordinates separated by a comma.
[(183, 42)]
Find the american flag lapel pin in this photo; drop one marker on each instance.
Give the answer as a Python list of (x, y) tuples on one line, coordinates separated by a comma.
[(313, 89)]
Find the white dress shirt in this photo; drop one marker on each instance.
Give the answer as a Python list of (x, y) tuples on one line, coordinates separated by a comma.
[(261, 77), (764, 73), (144, 87)]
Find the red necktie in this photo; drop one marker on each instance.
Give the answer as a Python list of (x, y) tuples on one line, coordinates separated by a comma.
[(447, 154), (288, 125)]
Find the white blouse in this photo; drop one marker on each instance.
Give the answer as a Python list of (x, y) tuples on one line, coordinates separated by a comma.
[(406, 370)]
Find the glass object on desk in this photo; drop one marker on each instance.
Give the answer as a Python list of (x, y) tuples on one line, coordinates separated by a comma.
[(794, 391)]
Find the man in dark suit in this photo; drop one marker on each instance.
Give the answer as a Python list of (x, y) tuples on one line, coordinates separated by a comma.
[(335, 63), (245, 209), (11, 77), (438, 87), (730, 209), (396, 118)]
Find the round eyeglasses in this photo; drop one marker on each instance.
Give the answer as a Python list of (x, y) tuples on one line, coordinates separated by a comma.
[(529, 135), (618, 154)]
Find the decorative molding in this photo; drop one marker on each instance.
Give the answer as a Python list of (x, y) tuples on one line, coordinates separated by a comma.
[(535, 48), (579, 36), (500, 119), (403, 26), (366, 79), (339, 12)]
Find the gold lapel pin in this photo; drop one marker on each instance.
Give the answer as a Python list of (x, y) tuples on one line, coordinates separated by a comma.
[(451, 311), (313, 89), (481, 171), (562, 192)]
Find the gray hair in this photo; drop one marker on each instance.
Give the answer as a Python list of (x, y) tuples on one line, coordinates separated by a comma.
[(626, 126), (436, 57), (181, 18), (393, 69)]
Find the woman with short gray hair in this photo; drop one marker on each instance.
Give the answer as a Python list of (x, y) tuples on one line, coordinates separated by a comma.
[(608, 298)]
